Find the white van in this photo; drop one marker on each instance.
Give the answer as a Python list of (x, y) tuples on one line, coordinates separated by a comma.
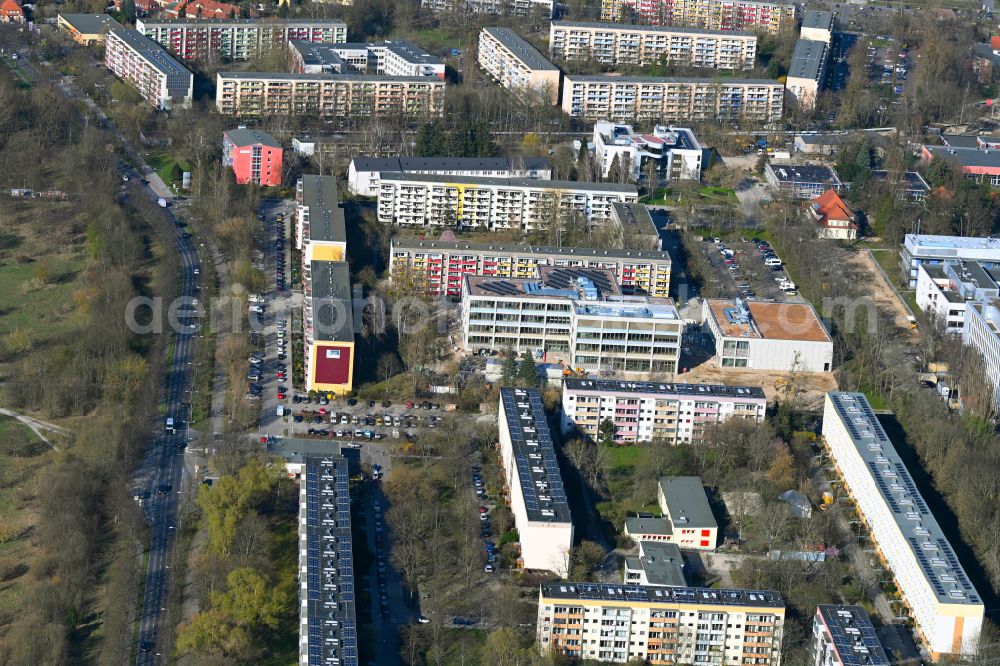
[(772, 261)]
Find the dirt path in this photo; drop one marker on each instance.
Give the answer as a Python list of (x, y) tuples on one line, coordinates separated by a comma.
[(885, 297), (812, 385)]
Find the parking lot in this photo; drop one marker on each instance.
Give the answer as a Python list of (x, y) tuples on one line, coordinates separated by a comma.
[(739, 270)]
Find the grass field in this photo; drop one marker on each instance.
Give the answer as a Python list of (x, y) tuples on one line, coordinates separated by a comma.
[(163, 164)]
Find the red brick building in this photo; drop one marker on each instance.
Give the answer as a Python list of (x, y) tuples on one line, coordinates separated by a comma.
[(254, 156)]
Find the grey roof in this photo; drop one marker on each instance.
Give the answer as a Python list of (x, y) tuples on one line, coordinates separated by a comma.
[(808, 60), (500, 248), (913, 180), (968, 157), (326, 217), (636, 526), (533, 183), (634, 218), (986, 52), (333, 319), (630, 27), (611, 386), (825, 138), (293, 450), (853, 635), (151, 52), (524, 51), (961, 140), (686, 502), (318, 53), (407, 164), (91, 24), (815, 18), (246, 22), (803, 173), (285, 76), (699, 596), (411, 52), (903, 500), (662, 563), (249, 137), (327, 595), (722, 81), (541, 483)]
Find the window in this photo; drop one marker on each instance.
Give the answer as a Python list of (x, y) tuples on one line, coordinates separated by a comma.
[(333, 353)]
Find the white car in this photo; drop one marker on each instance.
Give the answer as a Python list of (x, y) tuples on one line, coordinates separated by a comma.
[(256, 309), (281, 334), (423, 620)]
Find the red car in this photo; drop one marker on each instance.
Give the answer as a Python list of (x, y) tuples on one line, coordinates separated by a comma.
[(483, 509), (281, 396), (281, 375)]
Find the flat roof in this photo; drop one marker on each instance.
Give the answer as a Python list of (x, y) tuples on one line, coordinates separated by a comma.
[(962, 140), (804, 173), (534, 456), (151, 52), (410, 52), (815, 18), (686, 502), (695, 596), (788, 321), (662, 563), (245, 22), (327, 595), (928, 543), (326, 76), (552, 282), (853, 635), (407, 164), (808, 58), (90, 24), (611, 78), (333, 318), (948, 245), (634, 218), (660, 526), (533, 183), (297, 451), (611, 386), (914, 181), (249, 137), (521, 49), (318, 53), (967, 157), (499, 248), (632, 27), (326, 217)]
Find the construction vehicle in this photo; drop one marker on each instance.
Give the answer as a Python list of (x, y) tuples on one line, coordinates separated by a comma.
[(780, 383), (827, 501)]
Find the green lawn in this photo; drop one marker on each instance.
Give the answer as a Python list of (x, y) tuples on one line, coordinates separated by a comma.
[(24, 82), (27, 304), (163, 163), (719, 195)]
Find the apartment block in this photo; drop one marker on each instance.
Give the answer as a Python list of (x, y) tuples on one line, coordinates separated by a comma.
[(920, 249), (806, 72), (87, 29), (438, 267), (674, 151), (660, 625), (365, 173), (573, 316), (982, 332), (647, 411), (749, 15), (328, 631), (541, 8), (946, 609), (817, 25), (430, 200), (161, 80), (396, 58), (254, 156), (637, 229), (535, 489), (672, 99), (623, 44), (944, 290), (334, 96), (515, 64), (768, 336), (236, 39), (844, 636)]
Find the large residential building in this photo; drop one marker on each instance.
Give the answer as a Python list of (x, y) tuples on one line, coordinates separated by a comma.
[(327, 310), (515, 64), (161, 80), (621, 44), (674, 151), (844, 636), (945, 290), (802, 181), (254, 156), (750, 15), (531, 471), (927, 249), (979, 164), (365, 173), (574, 316), (945, 607), (438, 267), (426, 200), (660, 625), (627, 98), (237, 39), (806, 73), (328, 630), (647, 411), (87, 29), (397, 58), (768, 336), (982, 332), (817, 26), (333, 96), (541, 8)]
